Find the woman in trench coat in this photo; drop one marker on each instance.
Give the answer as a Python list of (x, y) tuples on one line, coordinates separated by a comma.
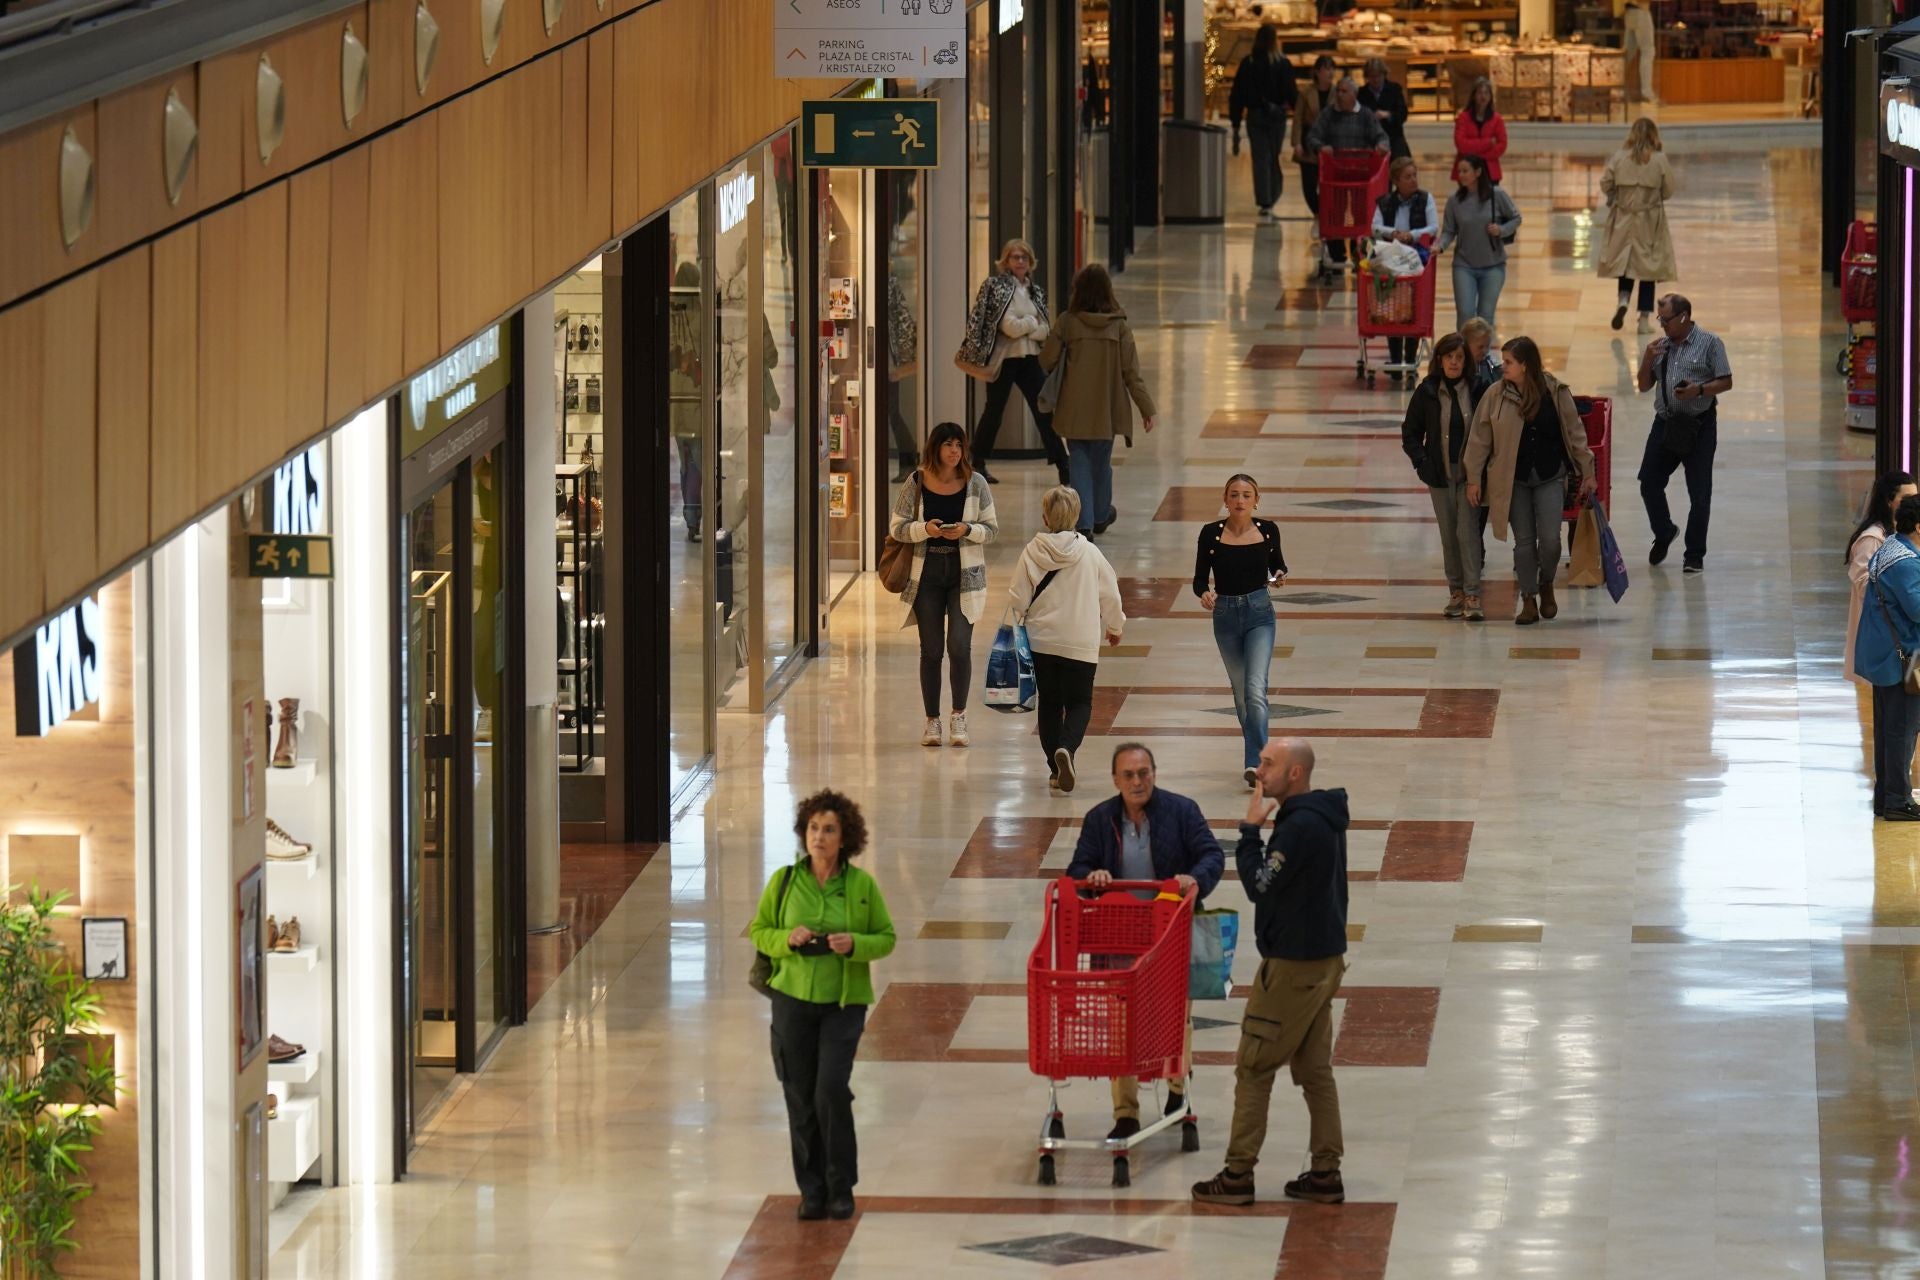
[(1637, 246)]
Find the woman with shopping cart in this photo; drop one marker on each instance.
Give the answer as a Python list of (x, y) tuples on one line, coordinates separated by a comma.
[(1406, 215)]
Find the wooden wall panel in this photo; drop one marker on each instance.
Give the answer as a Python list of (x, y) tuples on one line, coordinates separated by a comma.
[(133, 180), (125, 398), (217, 438), (226, 99), (22, 568), (669, 159), (352, 373), (390, 94), (403, 229), (388, 209), (559, 158), (175, 490), (458, 67), (629, 127), (31, 250), (264, 436), (309, 210), (68, 409), (596, 211)]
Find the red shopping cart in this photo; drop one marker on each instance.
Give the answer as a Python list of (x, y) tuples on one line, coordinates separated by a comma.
[(1395, 307), (1351, 183), (1107, 997), (1596, 414), (1860, 307)]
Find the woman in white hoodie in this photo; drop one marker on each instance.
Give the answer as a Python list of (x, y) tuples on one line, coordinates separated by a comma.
[(1068, 594)]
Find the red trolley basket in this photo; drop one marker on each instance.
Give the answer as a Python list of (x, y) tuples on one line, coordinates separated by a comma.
[(1860, 307), (1596, 414), (1107, 997), (1396, 307), (1351, 183)]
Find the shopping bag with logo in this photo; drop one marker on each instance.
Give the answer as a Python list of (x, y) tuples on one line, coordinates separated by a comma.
[(1216, 932), (1010, 683), (1583, 569), (1612, 564)]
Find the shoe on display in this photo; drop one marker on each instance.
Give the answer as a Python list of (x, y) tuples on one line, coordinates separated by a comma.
[(1226, 1187), (1124, 1127), (279, 1050), (1321, 1187), (282, 847), (273, 1106), (286, 747), (930, 736), (273, 934), (1063, 769), (289, 939), (957, 730)]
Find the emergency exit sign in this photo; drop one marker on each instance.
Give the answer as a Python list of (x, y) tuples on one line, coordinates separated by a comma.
[(870, 133)]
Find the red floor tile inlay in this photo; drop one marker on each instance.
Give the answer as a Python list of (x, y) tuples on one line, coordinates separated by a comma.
[(1444, 713), (1201, 503), (593, 878), (1159, 598)]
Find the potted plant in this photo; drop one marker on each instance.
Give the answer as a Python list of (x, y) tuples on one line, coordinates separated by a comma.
[(51, 1083)]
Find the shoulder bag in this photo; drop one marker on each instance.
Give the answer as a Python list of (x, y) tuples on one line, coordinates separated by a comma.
[(760, 977), (1909, 662), (1048, 401), (896, 557)]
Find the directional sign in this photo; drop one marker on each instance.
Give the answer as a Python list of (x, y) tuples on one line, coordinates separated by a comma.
[(913, 39), (870, 133), (289, 556)]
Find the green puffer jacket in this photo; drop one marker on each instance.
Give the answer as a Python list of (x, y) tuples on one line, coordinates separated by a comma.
[(849, 902)]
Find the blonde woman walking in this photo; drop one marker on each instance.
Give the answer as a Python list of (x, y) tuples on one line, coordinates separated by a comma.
[(1638, 183)]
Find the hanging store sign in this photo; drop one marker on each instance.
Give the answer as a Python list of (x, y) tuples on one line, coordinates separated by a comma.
[(734, 196), (871, 133), (452, 388), (913, 39), (299, 493), (1900, 122), (57, 672)]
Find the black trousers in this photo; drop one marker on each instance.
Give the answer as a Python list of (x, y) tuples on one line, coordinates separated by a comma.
[(1025, 373), (1402, 350), (1646, 294), (1310, 188), (944, 630), (1657, 466), (1066, 701), (813, 1048)]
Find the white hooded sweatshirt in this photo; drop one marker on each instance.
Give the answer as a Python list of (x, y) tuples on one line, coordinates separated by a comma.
[(1080, 605)]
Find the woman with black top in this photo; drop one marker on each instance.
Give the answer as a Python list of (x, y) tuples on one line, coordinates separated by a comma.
[(1241, 556), (1264, 92)]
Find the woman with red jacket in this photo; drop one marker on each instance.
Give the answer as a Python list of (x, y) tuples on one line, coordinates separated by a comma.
[(1479, 131)]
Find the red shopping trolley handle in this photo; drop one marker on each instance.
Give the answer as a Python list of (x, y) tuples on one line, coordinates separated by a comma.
[(1128, 886)]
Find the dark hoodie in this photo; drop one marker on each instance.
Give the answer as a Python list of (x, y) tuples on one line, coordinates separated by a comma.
[(1298, 878)]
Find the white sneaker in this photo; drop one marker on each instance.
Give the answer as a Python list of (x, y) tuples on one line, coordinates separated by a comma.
[(930, 736), (282, 847), (1644, 324), (957, 730)]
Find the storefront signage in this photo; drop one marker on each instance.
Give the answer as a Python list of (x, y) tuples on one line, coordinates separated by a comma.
[(57, 672), (299, 493), (1900, 122), (916, 39), (1011, 11), (871, 133), (279, 555), (735, 195), (439, 397)]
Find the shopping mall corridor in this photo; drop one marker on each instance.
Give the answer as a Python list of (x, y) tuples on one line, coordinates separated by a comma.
[(1629, 992)]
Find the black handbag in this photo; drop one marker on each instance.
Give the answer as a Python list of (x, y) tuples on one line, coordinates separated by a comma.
[(760, 977)]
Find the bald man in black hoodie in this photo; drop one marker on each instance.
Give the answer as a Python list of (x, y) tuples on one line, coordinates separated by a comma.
[(1298, 882)]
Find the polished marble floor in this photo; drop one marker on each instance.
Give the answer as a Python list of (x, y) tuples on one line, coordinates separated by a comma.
[(1634, 974)]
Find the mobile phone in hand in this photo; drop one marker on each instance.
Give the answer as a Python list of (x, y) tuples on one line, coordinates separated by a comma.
[(817, 945)]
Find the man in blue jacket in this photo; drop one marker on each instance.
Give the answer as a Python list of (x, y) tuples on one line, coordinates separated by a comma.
[(1145, 833), (1298, 883), (1889, 631)]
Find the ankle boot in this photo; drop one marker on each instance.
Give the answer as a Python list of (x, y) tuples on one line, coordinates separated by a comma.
[(1529, 612), (286, 748), (1549, 608)]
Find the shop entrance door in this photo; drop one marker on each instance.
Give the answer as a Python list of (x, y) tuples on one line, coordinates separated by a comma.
[(457, 953)]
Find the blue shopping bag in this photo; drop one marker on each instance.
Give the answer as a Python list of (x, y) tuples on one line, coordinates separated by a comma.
[(1010, 683), (1612, 564), (1216, 933)]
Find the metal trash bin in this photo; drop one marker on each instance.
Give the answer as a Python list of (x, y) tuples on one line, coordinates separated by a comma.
[(1193, 171)]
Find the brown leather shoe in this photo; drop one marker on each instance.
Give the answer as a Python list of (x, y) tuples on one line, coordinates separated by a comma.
[(1529, 612), (1549, 607)]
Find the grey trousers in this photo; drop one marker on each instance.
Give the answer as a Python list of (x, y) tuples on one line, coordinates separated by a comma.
[(1460, 537), (1535, 518)]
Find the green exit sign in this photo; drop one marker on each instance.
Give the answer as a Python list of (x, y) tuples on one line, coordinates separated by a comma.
[(870, 133), (280, 555)]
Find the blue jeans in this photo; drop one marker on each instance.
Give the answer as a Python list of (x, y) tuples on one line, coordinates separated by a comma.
[(1476, 290), (1090, 472), (1243, 628)]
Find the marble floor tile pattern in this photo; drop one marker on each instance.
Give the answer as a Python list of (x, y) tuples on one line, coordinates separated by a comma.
[(1642, 1006)]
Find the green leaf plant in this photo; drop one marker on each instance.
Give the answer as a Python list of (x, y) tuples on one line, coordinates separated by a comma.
[(51, 1087)]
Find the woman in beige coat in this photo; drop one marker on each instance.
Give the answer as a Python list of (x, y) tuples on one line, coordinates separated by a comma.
[(1102, 374), (1637, 246), (1524, 435)]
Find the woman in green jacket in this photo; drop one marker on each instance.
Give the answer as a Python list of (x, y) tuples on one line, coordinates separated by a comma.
[(822, 921)]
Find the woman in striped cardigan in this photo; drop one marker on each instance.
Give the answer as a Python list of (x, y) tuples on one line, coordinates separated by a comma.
[(945, 512)]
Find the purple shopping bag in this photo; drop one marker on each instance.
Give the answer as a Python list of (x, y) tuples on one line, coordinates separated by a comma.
[(1612, 564)]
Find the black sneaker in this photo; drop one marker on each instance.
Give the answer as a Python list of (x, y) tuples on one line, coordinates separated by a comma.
[(1660, 544), (1693, 566), (1317, 1186), (1113, 513), (840, 1207), (1901, 813), (1619, 315), (812, 1209), (1123, 1128), (1176, 1103), (1226, 1187)]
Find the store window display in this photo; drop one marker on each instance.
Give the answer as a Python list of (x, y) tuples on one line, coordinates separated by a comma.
[(689, 372)]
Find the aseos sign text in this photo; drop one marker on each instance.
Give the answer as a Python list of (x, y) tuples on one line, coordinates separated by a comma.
[(1900, 123), (57, 672), (735, 195)]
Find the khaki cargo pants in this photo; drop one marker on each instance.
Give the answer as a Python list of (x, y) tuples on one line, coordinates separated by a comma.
[(1289, 1023)]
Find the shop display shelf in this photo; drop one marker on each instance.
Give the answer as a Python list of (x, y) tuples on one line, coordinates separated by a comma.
[(299, 960), (301, 774), (299, 1071), (305, 867), (293, 1140)]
